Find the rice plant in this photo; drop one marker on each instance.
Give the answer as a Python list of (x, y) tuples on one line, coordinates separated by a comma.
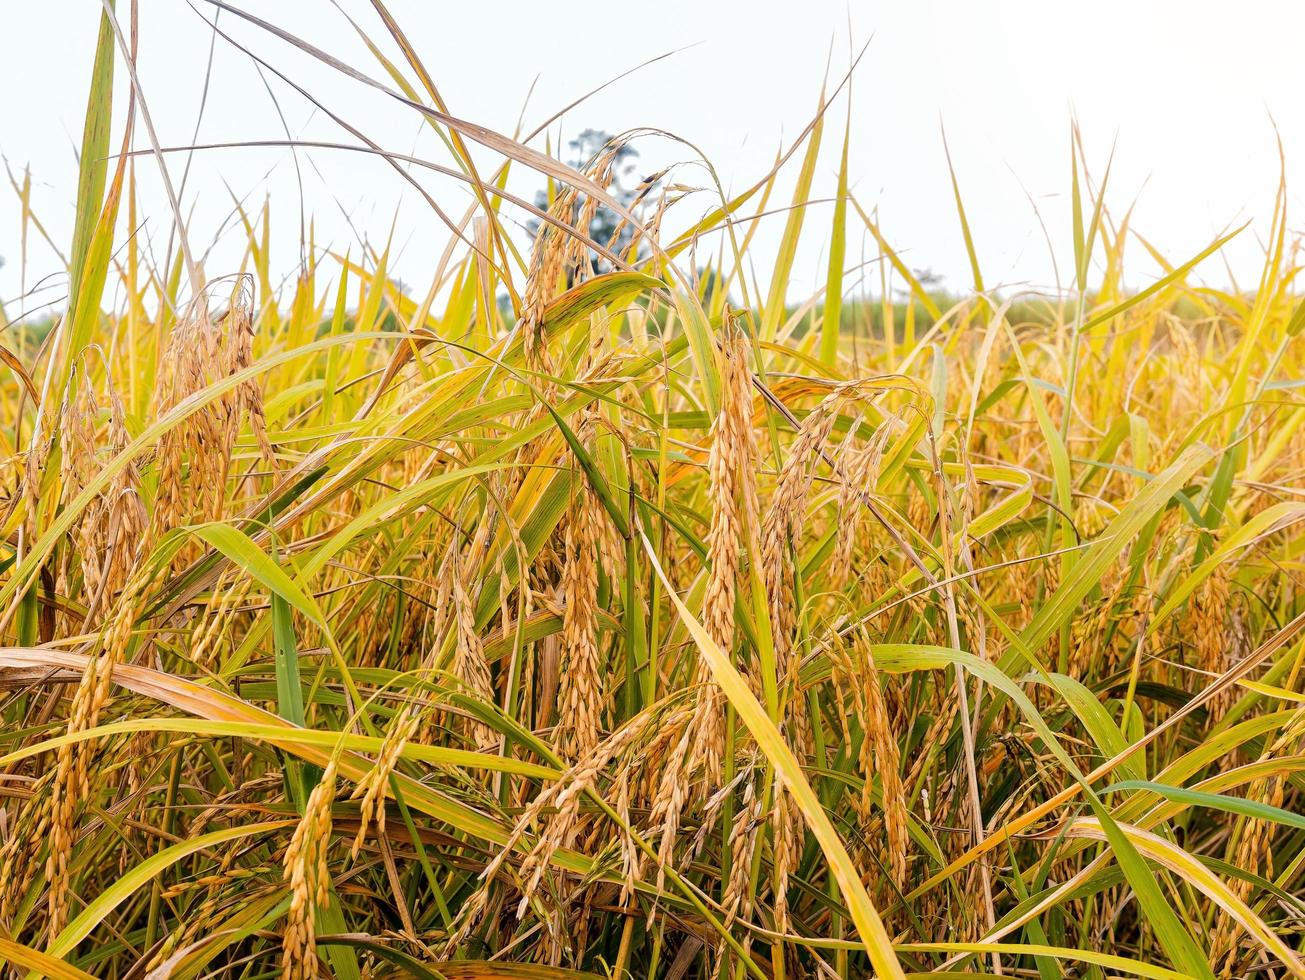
[(645, 623)]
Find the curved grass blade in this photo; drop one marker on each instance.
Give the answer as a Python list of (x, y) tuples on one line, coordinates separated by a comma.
[(871, 928)]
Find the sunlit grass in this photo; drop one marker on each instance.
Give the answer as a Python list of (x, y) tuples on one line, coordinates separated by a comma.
[(630, 619)]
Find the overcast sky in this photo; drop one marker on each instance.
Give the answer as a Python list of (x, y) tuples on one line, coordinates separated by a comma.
[(1189, 93)]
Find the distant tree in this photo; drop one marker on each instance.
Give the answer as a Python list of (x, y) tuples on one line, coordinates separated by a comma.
[(928, 278), (624, 188)]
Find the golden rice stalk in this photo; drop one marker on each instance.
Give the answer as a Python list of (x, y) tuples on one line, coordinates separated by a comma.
[(920, 512), (309, 876), (744, 834), (110, 534), (577, 249), (228, 595), (194, 456), (469, 662), (1209, 620), (672, 796), (239, 349), (786, 831), (72, 780), (581, 685), (732, 486), (783, 524), (1253, 852), (373, 784), (879, 750), (562, 797), (544, 279), (732, 489), (860, 472), (226, 802), (1088, 634), (1253, 840), (410, 720), (781, 533), (939, 729), (25, 837)]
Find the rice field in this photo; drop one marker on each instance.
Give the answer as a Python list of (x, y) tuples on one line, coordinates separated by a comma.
[(600, 610)]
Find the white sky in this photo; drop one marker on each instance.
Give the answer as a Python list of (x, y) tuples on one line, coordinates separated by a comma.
[(1189, 90)]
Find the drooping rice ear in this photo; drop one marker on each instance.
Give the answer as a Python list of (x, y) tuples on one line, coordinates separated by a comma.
[(1253, 840), (192, 455), (580, 693), (1208, 615), (786, 833), (309, 876), (19, 855), (73, 761), (372, 787), (195, 455), (240, 355), (859, 472), (112, 535), (228, 595), (469, 661), (732, 487), (880, 755), (545, 278), (732, 491), (783, 521)]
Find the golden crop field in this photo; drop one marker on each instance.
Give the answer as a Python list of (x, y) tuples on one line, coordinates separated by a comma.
[(593, 609)]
